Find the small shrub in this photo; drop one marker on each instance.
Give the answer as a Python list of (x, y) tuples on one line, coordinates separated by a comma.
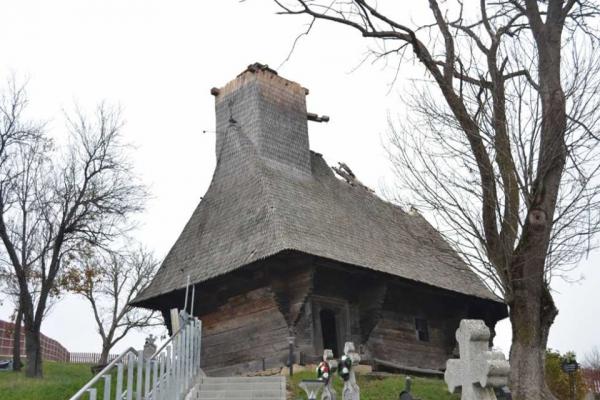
[(558, 381)]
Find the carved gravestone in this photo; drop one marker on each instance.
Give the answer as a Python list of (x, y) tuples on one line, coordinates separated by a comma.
[(479, 370), (351, 390), (149, 347), (328, 390), (405, 394)]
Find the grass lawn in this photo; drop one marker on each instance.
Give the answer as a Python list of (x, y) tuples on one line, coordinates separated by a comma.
[(61, 381), (388, 388)]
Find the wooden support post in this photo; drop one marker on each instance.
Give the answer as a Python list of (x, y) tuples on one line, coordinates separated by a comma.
[(174, 320)]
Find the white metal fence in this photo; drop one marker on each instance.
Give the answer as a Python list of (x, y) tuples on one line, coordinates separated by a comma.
[(168, 374)]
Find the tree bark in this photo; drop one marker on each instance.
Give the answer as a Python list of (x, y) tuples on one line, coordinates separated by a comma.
[(531, 318), (17, 364), (532, 309), (33, 350), (104, 354)]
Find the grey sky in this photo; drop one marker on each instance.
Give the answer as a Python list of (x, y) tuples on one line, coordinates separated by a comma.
[(158, 59)]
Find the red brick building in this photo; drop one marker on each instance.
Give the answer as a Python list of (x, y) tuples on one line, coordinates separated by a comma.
[(51, 349)]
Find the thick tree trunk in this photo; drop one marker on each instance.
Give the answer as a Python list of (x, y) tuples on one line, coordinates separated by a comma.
[(33, 325), (531, 318), (104, 354), (17, 364), (33, 350), (532, 310)]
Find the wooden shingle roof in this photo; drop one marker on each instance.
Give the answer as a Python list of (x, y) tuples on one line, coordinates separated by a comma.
[(257, 206)]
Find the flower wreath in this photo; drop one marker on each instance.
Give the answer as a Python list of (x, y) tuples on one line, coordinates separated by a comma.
[(323, 371), (345, 367)]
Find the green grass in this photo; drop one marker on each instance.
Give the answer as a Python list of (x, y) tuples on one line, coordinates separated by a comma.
[(61, 381), (383, 388)]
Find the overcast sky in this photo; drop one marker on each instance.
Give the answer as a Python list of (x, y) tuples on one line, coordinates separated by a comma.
[(158, 59)]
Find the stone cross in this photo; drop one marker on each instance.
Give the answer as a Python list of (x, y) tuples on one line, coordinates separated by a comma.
[(478, 370), (328, 390), (405, 394), (149, 347), (351, 390)]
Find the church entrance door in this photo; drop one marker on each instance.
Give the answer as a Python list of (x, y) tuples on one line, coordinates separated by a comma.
[(331, 324), (329, 331)]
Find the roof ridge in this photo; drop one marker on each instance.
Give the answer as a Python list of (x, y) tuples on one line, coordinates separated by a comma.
[(271, 203), (259, 162)]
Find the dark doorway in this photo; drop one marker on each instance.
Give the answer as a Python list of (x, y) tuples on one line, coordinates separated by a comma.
[(329, 331)]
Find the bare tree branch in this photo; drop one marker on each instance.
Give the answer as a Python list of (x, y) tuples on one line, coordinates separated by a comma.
[(501, 144), (54, 201), (109, 280)]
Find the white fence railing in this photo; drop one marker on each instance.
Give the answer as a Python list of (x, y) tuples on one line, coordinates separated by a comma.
[(168, 374)]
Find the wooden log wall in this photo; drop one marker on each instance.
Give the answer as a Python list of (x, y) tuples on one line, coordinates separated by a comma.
[(395, 339), (370, 305), (292, 281), (239, 334), (248, 314)]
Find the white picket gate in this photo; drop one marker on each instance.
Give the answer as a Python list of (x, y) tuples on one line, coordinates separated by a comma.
[(168, 374)]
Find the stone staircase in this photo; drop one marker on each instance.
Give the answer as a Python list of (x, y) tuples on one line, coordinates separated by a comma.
[(238, 388)]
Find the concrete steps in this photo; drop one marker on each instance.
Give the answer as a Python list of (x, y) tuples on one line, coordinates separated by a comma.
[(237, 388)]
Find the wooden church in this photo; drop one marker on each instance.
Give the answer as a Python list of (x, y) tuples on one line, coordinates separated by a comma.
[(280, 246)]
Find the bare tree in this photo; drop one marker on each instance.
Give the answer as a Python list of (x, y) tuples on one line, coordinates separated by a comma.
[(592, 359), (502, 142), (109, 281), (56, 199)]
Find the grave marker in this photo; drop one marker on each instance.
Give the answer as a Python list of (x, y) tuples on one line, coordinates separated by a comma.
[(350, 358), (329, 365), (478, 370), (405, 394)]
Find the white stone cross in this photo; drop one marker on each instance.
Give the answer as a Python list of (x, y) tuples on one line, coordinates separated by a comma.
[(351, 390), (328, 390), (478, 370)]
